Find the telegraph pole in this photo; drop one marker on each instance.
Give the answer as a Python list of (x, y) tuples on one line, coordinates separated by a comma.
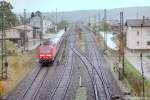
[(94, 17), (95, 21), (3, 49), (89, 21), (137, 13), (105, 30), (141, 57), (41, 27), (56, 21), (24, 35), (2, 46), (122, 42), (99, 17)]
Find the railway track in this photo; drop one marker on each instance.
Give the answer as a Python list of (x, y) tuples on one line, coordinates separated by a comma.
[(97, 59), (54, 83), (60, 91), (100, 69), (32, 86), (61, 88), (88, 65), (25, 85), (98, 75), (31, 95)]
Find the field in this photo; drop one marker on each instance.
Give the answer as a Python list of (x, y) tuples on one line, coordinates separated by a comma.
[(19, 66)]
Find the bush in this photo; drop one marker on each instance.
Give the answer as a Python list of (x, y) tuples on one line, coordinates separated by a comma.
[(134, 77)]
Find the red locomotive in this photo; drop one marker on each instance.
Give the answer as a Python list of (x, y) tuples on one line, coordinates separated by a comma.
[(48, 50)]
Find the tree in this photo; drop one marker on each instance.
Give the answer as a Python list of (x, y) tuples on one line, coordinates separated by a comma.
[(6, 15)]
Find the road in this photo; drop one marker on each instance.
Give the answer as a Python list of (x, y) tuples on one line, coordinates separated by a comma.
[(61, 81)]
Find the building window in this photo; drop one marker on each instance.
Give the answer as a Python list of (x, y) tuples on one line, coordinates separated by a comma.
[(138, 32), (138, 43), (148, 43)]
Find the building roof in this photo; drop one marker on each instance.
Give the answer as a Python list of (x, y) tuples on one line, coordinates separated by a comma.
[(14, 31), (138, 23), (23, 27)]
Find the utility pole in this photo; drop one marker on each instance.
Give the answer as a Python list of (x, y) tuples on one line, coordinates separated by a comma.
[(95, 21), (56, 21), (24, 35), (122, 42), (105, 30), (94, 17), (141, 56), (2, 46), (137, 13), (3, 49), (99, 17), (89, 21), (143, 86), (41, 27)]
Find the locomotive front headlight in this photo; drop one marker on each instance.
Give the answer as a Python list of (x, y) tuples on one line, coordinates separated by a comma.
[(49, 55), (42, 55)]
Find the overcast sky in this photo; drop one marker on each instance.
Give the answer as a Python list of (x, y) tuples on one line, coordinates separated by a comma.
[(71, 5)]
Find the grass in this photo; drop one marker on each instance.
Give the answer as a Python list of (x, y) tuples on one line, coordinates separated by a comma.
[(81, 94), (134, 78), (19, 66), (80, 42)]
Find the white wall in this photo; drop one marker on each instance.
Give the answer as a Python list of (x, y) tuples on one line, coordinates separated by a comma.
[(46, 25), (133, 37), (36, 22)]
